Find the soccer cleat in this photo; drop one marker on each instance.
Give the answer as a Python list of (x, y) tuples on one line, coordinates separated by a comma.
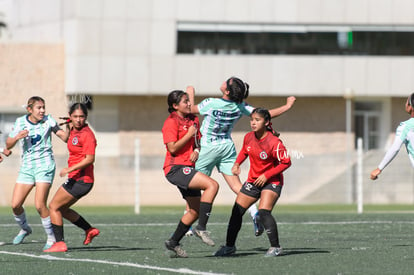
[(225, 251), (274, 251), (47, 245), (90, 234), (22, 234), (57, 247), (204, 236), (176, 248), (258, 226)]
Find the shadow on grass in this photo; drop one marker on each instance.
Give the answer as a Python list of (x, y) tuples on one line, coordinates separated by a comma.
[(286, 252), (104, 248), (297, 251)]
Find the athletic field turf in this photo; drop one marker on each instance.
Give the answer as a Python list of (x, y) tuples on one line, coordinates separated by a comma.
[(316, 240)]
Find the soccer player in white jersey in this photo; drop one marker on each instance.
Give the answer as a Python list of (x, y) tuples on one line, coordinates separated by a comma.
[(404, 135), (217, 147), (37, 169)]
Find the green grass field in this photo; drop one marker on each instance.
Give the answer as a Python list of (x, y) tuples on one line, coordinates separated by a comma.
[(316, 239)]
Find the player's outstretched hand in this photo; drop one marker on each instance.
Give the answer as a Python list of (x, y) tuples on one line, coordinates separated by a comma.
[(7, 152), (375, 173)]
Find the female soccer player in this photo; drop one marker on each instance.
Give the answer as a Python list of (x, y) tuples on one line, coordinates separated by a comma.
[(179, 135), (33, 131), (81, 146), (217, 147), (268, 159), (404, 135)]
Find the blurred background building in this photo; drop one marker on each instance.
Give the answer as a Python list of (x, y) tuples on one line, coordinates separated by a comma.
[(349, 63)]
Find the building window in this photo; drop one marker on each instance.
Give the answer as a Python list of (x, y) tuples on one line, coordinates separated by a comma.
[(367, 124), (307, 40)]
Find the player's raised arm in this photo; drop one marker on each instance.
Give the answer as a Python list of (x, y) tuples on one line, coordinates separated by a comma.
[(282, 109), (191, 94)]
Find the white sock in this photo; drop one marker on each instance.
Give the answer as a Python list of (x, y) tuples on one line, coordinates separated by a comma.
[(21, 221), (47, 225), (253, 210)]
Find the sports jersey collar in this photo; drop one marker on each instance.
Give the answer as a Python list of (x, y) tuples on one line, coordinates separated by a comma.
[(73, 129), (227, 100), (40, 121), (175, 115)]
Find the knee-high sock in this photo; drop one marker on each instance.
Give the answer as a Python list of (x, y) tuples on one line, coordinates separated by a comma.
[(235, 224), (179, 232), (58, 231), (204, 215), (82, 223), (22, 221), (270, 225), (47, 225)]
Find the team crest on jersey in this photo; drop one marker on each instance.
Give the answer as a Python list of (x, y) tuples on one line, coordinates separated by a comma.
[(263, 155), (186, 170), (75, 141), (35, 139)]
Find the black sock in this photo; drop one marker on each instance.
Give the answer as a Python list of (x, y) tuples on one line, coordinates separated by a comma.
[(58, 231), (82, 223), (270, 225), (179, 232), (235, 224), (205, 210)]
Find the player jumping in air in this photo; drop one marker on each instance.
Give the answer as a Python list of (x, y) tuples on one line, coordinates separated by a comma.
[(404, 135), (217, 147)]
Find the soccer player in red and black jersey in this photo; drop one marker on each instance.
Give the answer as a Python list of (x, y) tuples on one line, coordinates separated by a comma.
[(181, 137), (268, 159), (81, 146)]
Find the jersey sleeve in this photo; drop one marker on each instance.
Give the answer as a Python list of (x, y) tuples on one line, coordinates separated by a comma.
[(15, 130), (241, 157), (89, 145), (394, 149), (53, 124), (246, 109), (204, 106), (280, 153), (169, 131)]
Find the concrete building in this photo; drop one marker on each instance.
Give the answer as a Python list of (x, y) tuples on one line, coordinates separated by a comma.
[(348, 62)]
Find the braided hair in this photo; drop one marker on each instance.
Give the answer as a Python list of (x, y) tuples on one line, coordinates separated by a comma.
[(239, 90), (264, 113)]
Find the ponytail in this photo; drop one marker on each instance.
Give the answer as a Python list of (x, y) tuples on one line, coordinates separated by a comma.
[(411, 100)]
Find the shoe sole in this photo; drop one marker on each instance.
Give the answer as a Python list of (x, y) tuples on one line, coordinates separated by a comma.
[(206, 242)]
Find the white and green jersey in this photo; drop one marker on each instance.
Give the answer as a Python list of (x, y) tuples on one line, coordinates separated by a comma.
[(404, 135), (37, 146), (220, 116)]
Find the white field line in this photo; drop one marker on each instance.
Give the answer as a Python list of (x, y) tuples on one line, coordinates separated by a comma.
[(52, 258), (212, 223)]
